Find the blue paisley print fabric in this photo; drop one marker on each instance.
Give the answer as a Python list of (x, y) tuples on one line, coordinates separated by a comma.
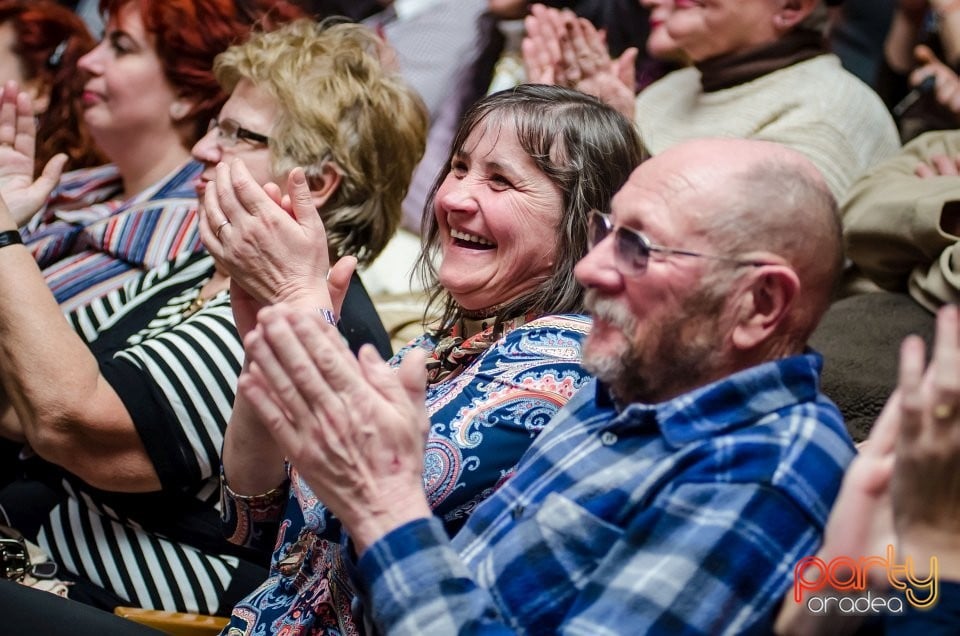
[(482, 421)]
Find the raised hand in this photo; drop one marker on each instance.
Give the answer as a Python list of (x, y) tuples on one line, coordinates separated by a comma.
[(23, 194), (926, 478), (562, 49), (353, 429), (541, 47)]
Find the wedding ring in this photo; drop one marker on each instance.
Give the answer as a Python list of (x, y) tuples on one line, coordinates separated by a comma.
[(943, 411), (219, 229)]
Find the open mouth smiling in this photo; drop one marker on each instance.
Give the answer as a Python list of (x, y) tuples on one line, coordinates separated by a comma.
[(470, 241)]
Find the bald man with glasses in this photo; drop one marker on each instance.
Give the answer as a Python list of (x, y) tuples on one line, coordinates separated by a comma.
[(673, 494)]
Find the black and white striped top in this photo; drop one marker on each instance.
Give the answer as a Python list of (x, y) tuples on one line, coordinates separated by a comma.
[(177, 377)]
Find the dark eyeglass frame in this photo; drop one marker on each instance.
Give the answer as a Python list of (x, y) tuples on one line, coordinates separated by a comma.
[(632, 248), (231, 132)]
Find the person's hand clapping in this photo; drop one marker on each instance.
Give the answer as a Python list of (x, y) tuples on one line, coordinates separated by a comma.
[(352, 428)]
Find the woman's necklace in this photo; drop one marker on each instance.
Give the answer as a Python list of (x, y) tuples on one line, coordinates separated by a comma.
[(195, 305), (213, 287)]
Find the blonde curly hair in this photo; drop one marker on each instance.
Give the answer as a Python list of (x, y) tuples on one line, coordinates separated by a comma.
[(338, 103)]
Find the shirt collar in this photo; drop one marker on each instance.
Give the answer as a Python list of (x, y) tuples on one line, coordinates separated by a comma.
[(734, 402)]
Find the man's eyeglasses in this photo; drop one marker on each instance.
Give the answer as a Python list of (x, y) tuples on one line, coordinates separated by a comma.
[(231, 132), (632, 248)]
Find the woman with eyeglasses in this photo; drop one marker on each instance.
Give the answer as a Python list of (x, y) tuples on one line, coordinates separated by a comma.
[(126, 412), (147, 94), (507, 223)]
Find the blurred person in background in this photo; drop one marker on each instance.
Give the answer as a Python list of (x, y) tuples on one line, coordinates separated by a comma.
[(149, 94), (40, 44)]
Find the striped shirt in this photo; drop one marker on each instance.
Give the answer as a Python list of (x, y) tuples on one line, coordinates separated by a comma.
[(88, 242), (177, 378), (681, 517)]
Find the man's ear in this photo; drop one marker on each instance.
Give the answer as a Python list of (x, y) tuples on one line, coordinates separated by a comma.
[(764, 304), (792, 13), (324, 185)]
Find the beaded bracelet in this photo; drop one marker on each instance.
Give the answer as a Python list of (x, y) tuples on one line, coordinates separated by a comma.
[(10, 237)]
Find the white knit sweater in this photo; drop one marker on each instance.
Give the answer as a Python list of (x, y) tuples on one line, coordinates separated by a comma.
[(814, 106)]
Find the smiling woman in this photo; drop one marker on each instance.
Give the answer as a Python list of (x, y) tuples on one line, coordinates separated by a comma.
[(117, 372), (509, 222)]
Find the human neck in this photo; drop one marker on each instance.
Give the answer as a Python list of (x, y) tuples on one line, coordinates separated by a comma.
[(142, 162)]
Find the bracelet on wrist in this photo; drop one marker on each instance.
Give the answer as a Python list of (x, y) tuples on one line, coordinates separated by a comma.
[(10, 237)]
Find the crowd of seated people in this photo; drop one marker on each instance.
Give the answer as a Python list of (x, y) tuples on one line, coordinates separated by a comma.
[(660, 385), (124, 451)]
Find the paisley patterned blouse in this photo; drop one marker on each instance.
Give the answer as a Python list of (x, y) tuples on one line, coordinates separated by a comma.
[(483, 419)]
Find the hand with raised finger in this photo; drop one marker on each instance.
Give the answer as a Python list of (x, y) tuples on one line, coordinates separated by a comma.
[(23, 194), (352, 429), (926, 478)]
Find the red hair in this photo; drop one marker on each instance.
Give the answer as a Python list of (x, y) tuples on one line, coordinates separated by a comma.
[(49, 41), (189, 34)]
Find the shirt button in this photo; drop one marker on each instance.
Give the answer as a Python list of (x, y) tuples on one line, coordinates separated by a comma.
[(608, 438), (517, 512)]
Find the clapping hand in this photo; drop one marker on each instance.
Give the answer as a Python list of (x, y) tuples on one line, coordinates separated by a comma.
[(926, 476), (23, 194), (273, 247), (351, 427), (561, 48)]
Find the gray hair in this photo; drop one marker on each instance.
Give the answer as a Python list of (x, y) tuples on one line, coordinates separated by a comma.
[(582, 145)]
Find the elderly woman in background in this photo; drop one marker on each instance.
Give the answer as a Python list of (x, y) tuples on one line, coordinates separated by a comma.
[(759, 70), (126, 411), (508, 223), (40, 43), (148, 94)]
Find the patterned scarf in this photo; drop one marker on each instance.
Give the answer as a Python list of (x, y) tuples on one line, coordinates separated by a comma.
[(454, 353)]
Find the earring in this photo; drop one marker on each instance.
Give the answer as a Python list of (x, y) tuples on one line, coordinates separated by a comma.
[(178, 110)]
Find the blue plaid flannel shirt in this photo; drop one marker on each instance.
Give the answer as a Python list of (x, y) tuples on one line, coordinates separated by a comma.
[(681, 517)]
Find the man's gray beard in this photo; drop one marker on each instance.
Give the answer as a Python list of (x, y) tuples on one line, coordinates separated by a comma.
[(664, 364)]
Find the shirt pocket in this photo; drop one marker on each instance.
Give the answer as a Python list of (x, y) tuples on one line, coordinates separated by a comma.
[(576, 539), (552, 551)]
